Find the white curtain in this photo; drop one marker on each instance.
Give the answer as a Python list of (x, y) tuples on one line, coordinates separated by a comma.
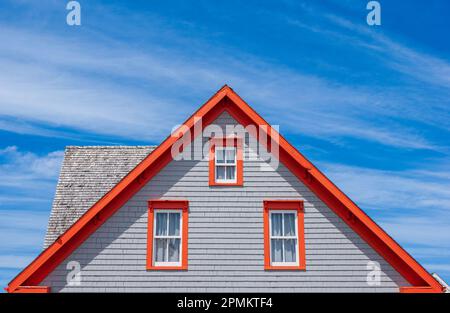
[(289, 250), (174, 224), (276, 224), (289, 224), (220, 156), (230, 155), (220, 172), (161, 224), (160, 250), (230, 172), (174, 250), (277, 250)]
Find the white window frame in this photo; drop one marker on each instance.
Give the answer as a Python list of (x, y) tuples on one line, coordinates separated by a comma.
[(167, 263), (225, 164), (295, 237)]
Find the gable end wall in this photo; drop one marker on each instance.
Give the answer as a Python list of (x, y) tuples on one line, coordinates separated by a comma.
[(226, 248)]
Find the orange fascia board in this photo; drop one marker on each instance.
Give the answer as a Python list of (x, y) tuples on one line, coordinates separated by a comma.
[(31, 289), (417, 290), (316, 181)]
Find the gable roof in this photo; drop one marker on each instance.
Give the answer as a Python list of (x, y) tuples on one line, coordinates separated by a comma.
[(227, 100), (87, 173)]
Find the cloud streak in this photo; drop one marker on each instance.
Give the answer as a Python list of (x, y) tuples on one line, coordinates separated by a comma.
[(27, 178), (78, 83), (27, 185), (383, 189), (411, 205), (421, 66), (422, 89)]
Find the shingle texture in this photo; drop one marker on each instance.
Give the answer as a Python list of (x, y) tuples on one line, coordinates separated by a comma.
[(88, 173)]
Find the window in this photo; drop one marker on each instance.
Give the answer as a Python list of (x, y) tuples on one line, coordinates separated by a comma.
[(225, 165), (225, 162), (284, 244), (167, 234), (167, 238)]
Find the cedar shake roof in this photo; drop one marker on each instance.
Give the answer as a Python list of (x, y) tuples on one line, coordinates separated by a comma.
[(88, 173)]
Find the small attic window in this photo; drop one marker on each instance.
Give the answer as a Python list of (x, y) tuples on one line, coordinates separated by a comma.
[(226, 162)]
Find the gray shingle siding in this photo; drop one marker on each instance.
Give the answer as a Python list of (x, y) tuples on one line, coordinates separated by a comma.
[(225, 249)]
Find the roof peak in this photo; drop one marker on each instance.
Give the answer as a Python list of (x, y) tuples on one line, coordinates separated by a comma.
[(224, 87)]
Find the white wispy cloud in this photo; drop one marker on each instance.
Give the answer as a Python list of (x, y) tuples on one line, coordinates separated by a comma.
[(22, 233), (425, 78), (15, 261), (23, 219), (413, 206), (424, 230), (422, 66), (387, 189), (440, 268), (78, 83), (27, 179), (27, 185), (20, 166)]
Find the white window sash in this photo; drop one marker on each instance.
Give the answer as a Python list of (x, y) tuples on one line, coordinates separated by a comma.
[(167, 263), (226, 165), (282, 237)]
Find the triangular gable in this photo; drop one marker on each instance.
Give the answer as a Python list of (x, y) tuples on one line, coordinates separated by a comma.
[(225, 100)]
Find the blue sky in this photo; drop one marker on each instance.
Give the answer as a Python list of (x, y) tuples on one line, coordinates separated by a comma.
[(368, 105)]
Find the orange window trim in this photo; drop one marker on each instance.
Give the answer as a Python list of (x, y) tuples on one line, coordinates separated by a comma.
[(226, 142), (168, 205), (297, 205)]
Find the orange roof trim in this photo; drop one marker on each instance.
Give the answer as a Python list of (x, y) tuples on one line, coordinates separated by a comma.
[(225, 100)]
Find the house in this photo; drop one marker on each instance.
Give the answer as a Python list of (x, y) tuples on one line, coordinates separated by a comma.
[(224, 204)]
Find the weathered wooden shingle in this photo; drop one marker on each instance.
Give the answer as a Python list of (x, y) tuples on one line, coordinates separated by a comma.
[(86, 175)]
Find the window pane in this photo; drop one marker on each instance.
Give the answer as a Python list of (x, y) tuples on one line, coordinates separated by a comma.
[(220, 172), (160, 250), (276, 224), (277, 250), (231, 172), (290, 250), (161, 224), (174, 224), (289, 224), (174, 250), (220, 155), (231, 155)]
